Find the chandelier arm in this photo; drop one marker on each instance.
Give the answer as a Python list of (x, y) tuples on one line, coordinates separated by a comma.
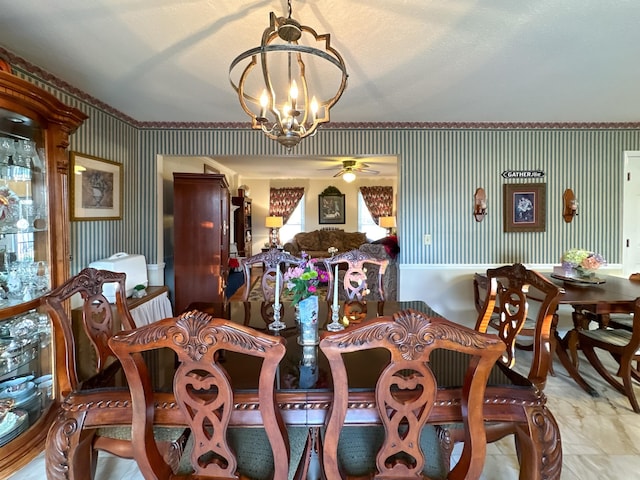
[(291, 47), (269, 86), (240, 88)]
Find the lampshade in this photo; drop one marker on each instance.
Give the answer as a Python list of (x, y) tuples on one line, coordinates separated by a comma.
[(273, 222), (387, 222)]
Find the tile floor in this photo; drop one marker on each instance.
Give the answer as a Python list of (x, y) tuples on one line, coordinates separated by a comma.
[(599, 437)]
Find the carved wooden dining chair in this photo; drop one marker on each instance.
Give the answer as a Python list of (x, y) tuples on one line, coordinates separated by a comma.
[(272, 262), (355, 282), (506, 309), (204, 399), (406, 395), (72, 450), (623, 344)]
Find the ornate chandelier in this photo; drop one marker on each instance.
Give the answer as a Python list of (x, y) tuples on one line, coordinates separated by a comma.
[(290, 93)]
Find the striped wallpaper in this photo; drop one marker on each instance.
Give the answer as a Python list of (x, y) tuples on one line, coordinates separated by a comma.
[(439, 171)]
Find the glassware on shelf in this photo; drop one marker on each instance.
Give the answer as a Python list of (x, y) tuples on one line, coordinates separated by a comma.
[(14, 283), (7, 150), (25, 153)]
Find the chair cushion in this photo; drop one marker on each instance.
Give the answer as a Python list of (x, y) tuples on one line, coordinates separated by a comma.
[(613, 336), (253, 451), (622, 320), (358, 446)]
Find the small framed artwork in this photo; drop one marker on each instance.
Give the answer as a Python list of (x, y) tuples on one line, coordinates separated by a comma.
[(524, 207), (96, 188), (331, 209)]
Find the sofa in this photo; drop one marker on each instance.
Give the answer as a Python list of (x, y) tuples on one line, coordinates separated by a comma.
[(316, 243)]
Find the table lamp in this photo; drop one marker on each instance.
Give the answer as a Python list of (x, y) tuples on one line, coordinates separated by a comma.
[(274, 223), (387, 222)]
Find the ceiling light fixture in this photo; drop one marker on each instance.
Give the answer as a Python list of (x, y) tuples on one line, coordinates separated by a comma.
[(348, 176), (290, 94)]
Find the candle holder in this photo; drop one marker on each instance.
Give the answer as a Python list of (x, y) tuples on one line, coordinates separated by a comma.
[(277, 324), (335, 325)]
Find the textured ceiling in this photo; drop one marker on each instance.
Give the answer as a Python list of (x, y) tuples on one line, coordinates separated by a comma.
[(408, 60)]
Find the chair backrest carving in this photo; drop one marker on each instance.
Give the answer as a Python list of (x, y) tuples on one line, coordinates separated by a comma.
[(406, 389), (97, 319), (271, 261), (203, 390), (355, 283), (507, 302)]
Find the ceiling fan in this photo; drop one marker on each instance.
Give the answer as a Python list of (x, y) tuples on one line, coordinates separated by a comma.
[(351, 167)]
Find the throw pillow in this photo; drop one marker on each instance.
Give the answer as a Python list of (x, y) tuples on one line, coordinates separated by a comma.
[(390, 245), (308, 240)]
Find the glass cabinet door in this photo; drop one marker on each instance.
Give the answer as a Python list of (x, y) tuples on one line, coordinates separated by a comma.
[(26, 380), (34, 257)]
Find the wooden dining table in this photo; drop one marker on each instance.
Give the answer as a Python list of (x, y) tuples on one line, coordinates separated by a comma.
[(304, 391), (590, 301)]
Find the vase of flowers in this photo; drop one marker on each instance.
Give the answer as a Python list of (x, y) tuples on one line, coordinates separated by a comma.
[(302, 282), (581, 263)]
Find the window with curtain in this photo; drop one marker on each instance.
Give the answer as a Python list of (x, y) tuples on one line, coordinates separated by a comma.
[(378, 200), (295, 224), (283, 201), (366, 223)]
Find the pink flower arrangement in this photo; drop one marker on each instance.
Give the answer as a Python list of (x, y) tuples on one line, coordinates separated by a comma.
[(302, 280)]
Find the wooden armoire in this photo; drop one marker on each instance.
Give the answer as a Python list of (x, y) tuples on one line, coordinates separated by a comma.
[(201, 237)]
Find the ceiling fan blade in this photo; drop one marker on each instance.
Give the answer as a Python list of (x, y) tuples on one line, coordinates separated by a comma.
[(339, 173), (366, 170)]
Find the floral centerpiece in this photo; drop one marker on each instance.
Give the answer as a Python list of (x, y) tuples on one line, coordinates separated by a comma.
[(583, 262), (302, 280)]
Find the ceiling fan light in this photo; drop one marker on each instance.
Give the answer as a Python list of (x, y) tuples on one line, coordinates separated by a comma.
[(349, 177)]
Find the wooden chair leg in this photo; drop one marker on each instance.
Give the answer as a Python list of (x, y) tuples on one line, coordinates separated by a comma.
[(625, 373), (591, 355), (539, 439), (69, 453)]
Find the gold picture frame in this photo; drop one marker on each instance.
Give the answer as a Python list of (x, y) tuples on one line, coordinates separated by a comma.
[(525, 207), (95, 188)]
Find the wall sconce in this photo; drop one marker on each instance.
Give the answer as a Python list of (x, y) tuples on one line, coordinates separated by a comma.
[(274, 223), (480, 208), (570, 205), (387, 222)]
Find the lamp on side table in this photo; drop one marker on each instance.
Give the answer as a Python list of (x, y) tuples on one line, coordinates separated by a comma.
[(274, 223)]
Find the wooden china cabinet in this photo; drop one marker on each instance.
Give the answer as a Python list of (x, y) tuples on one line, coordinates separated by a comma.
[(201, 204), (34, 257)]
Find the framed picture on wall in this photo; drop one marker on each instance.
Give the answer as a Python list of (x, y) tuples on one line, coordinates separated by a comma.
[(96, 188), (524, 207), (331, 209)]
